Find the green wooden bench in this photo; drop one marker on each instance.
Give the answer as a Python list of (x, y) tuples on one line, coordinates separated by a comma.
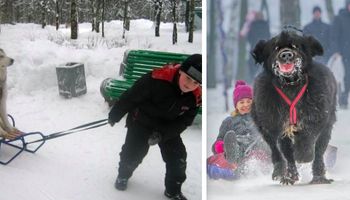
[(135, 64)]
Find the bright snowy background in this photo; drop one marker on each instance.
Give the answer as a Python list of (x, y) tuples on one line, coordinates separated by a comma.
[(261, 186), (82, 166)]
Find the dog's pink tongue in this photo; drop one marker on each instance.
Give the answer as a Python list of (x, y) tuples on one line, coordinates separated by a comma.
[(287, 67)]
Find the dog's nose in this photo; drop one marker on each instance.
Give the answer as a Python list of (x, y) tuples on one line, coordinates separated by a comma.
[(12, 61), (286, 55)]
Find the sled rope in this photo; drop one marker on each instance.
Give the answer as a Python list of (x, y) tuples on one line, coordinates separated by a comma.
[(80, 128)]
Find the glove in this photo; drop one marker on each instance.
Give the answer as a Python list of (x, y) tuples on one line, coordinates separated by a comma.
[(155, 138), (219, 146), (111, 121)]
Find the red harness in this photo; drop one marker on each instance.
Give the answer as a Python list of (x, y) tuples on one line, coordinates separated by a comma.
[(292, 104)]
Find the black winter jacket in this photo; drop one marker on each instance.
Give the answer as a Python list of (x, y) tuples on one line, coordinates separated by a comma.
[(321, 31), (340, 34), (259, 30), (156, 102)]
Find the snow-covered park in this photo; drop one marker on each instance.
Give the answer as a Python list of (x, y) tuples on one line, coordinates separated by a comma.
[(83, 166)]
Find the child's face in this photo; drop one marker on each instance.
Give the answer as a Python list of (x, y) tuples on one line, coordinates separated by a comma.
[(244, 106), (186, 83)]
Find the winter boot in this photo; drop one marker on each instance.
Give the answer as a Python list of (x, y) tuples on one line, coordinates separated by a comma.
[(178, 196), (121, 184)]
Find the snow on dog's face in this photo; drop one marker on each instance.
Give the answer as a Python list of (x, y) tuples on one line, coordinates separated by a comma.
[(288, 55), (4, 60)]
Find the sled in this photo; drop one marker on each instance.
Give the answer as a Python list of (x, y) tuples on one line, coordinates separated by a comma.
[(33, 141), (19, 145)]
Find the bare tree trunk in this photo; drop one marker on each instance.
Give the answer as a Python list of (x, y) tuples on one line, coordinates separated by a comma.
[(330, 10), (103, 18), (93, 23), (98, 16), (242, 64), (126, 18), (187, 15), (211, 41), (43, 13), (74, 20), (290, 13), (174, 8), (158, 11), (57, 16), (191, 21)]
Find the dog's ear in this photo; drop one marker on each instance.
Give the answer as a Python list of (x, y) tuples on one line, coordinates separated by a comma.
[(316, 48), (258, 52)]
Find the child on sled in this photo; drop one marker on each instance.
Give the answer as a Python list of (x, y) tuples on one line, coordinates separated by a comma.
[(238, 141)]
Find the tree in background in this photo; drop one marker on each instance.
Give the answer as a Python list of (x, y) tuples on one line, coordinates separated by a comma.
[(43, 5), (126, 17), (57, 15), (211, 42), (8, 15), (174, 12), (242, 50), (103, 18), (290, 13), (191, 21), (187, 15), (74, 20), (158, 4), (330, 10)]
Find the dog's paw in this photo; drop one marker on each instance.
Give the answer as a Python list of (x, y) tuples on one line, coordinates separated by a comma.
[(287, 180), (321, 180), (279, 171), (291, 177)]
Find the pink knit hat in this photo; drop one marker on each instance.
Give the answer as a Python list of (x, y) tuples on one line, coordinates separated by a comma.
[(242, 90)]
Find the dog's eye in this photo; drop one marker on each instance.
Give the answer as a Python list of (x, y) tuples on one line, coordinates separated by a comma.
[(294, 46), (276, 48)]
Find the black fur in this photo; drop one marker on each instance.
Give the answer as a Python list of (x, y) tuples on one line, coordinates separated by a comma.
[(315, 110)]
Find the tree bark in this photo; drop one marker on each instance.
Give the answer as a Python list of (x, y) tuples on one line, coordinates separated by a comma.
[(158, 11), (103, 18), (43, 13), (191, 22), (187, 15), (290, 13), (211, 41), (242, 64), (57, 15), (93, 23), (126, 18), (98, 16), (74, 20), (174, 6)]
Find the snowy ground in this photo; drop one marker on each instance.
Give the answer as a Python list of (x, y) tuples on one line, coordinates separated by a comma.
[(82, 166), (261, 186)]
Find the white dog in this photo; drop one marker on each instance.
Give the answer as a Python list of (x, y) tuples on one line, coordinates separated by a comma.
[(6, 129)]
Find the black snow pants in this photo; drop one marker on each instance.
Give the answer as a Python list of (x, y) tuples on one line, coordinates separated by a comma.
[(136, 147)]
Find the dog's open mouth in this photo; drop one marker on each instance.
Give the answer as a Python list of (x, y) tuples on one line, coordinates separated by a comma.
[(286, 67)]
